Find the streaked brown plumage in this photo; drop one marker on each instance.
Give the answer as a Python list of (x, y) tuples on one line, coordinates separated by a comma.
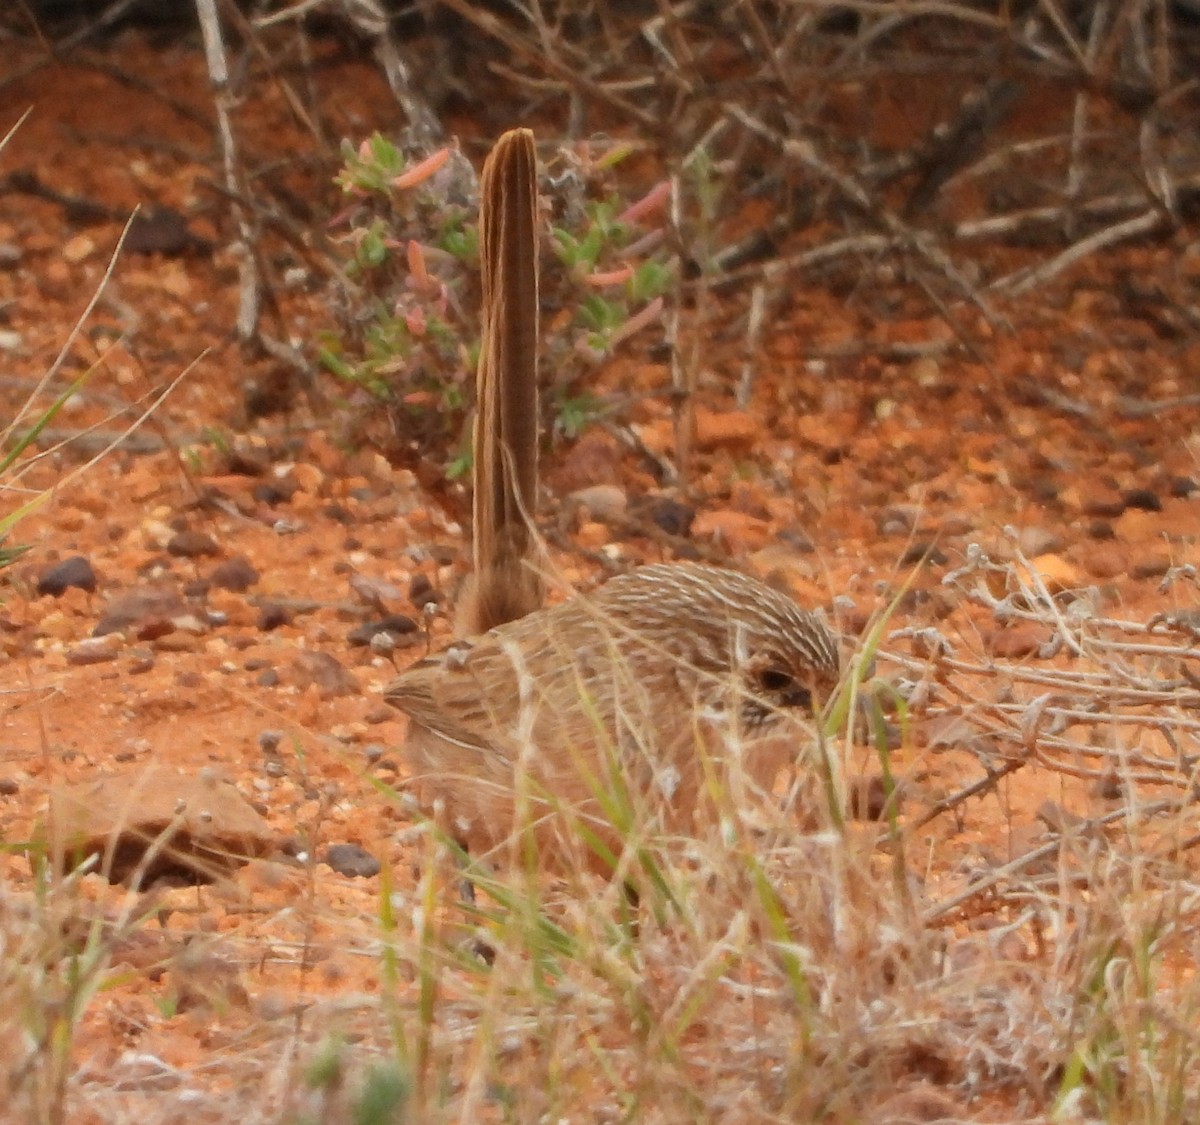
[(645, 688), (659, 668)]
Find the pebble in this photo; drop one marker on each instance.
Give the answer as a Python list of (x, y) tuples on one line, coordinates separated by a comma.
[(373, 591), (272, 616), (192, 545), (57, 579), (329, 676), (1020, 641), (1144, 499), (352, 861), (1182, 487), (1106, 503), (606, 502), (234, 574), (92, 650), (1154, 567), (671, 516), (398, 627)]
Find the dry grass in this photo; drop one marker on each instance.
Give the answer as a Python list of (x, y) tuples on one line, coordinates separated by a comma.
[(778, 973)]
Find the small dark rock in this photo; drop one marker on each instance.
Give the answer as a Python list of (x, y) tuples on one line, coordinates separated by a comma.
[(268, 678), (421, 591), (373, 591), (271, 494), (352, 861), (330, 677), (243, 461), (192, 545), (235, 574), (73, 572), (8, 787), (396, 626), (1101, 529), (272, 616), (161, 230), (1182, 487), (377, 715), (339, 514), (269, 740), (1153, 567), (1104, 504), (197, 589), (1144, 499), (671, 516), (923, 552)]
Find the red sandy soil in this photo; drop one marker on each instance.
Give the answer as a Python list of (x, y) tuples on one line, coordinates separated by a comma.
[(843, 469)]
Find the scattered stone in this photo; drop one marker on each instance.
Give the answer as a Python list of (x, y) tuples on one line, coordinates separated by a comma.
[(1105, 503), (352, 861), (671, 516), (268, 678), (140, 661), (271, 616), (380, 714), (74, 572), (396, 626), (1182, 487), (605, 502), (198, 827), (235, 574), (1109, 788), (373, 591), (269, 740), (594, 459), (1153, 567), (898, 519), (159, 229), (323, 670), (192, 545), (1018, 642), (373, 752), (421, 592), (918, 552), (93, 650), (144, 604), (1143, 499), (245, 460), (1101, 529), (276, 492), (8, 787)]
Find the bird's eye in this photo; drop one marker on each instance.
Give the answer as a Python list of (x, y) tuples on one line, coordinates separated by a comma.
[(775, 680)]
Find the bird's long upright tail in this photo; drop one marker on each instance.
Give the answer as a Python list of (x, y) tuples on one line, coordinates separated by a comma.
[(507, 581)]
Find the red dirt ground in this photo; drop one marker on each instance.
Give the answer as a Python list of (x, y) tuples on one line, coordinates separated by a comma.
[(861, 454)]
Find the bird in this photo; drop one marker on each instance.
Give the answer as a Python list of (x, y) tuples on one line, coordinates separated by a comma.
[(571, 725)]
